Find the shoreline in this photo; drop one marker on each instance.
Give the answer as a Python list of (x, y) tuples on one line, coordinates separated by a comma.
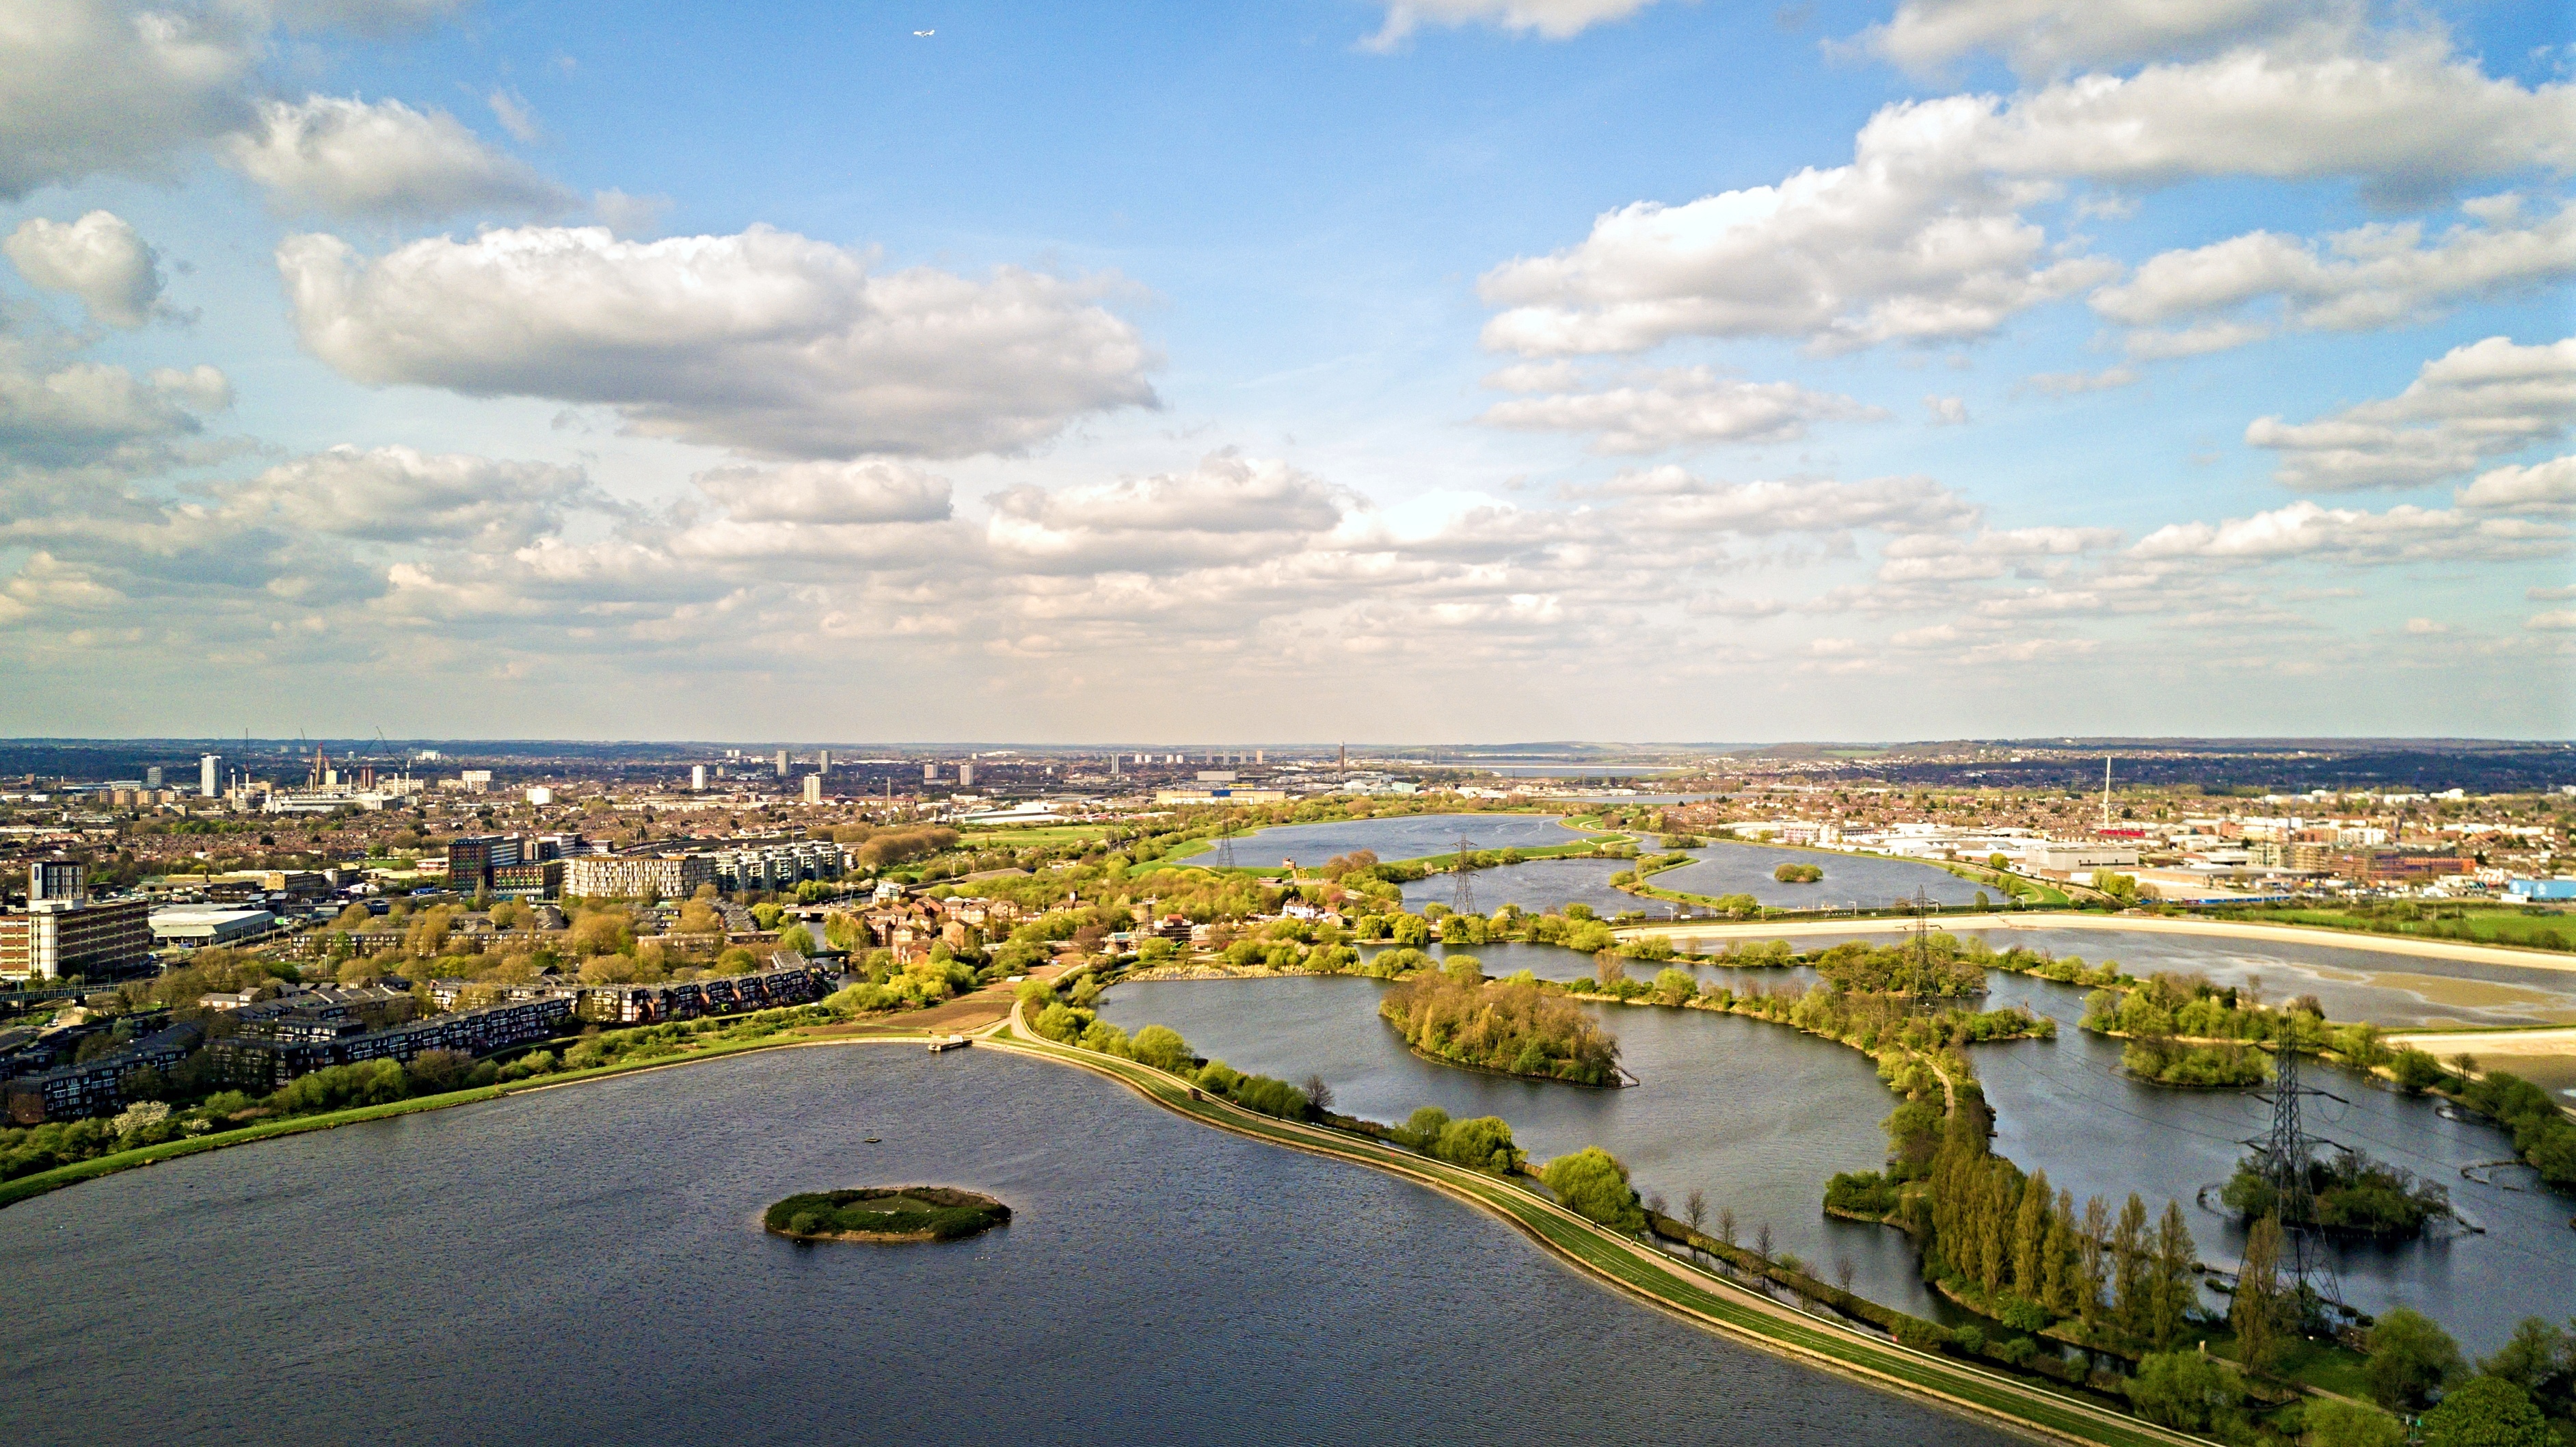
[(1650, 1276), (1642, 1273), (2452, 950)]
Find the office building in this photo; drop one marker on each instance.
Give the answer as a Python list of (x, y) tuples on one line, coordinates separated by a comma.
[(698, 778), (813, 788), (966, 775), (152, 777), (930, 773), (53, 938), (208, 766), (823, 761), (782, 763), (196, 927)]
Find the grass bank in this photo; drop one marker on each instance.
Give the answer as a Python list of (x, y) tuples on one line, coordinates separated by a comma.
[(1648, 1274)]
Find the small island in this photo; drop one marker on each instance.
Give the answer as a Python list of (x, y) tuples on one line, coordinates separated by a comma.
[(885, 1213), (1798, 873), (1512, 1028)]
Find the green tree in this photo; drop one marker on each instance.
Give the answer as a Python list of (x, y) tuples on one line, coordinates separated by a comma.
[(1675, 987), (2487, 1412), (1592, 1182), (1161, 1047), (2131, 1283), (1463, 969), (1483, 1143), (2175, 1289), (2185, 1390), (2332, 1422), (2411, 1358), (798, 938), (2537, 1355), (2257, 1311)]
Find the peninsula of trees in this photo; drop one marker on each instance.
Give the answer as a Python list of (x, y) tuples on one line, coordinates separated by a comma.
[(886, 1213), (1513, 1027)]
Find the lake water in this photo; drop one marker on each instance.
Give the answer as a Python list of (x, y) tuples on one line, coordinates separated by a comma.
[(1758, 1116), (585, 1266), (1415, 836), (1541, 885), (1864, 880), (2385, 989)]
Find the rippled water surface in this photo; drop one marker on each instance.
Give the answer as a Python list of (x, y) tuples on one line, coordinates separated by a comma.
[(584, 1265), (1758, 1116)]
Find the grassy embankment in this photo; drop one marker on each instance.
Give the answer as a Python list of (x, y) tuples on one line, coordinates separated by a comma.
[(1647, 1273), (2467, 924)]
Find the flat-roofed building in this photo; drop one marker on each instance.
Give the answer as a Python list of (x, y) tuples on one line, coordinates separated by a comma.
[(94, 939), (631, 876)]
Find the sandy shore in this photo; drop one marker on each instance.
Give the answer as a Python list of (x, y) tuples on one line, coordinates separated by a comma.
[(2131, 923), (2483, 1043)]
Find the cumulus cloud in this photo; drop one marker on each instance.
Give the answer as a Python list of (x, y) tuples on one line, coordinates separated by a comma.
[(399, 495), (872, 490), (2069, 384), (2541, 489), (1229, 507), (1922, 237), (99, 259), (2488, 399), (1946, 411), (2310, 530), (1554, 19), (96, 85), (2371, 276), (1675, 407), (2045, 36), (89, 412), (348, 157), (765, 342)]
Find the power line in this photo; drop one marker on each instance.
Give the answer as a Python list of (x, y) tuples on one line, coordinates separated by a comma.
[(1462, 890)]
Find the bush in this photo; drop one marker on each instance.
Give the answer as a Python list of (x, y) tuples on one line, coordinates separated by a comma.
[(2417, 1071), (2334, 1423), (2411, 1358), (1162, 1047), (1483, 1144), (1593, 1183), (2186, 1390), (2487, 1412)]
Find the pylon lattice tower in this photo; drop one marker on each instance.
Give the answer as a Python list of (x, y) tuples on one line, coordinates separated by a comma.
[(2287, 1149), (1225, 846), (1462, 889)]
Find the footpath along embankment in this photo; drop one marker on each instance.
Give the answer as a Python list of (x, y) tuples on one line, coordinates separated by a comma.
[(2286, 934), (1640, 1270)]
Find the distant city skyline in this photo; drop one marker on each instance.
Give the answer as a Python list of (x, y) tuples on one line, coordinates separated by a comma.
[(1480, 370)]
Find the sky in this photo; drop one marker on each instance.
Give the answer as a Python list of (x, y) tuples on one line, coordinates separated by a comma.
[(1462, 370)]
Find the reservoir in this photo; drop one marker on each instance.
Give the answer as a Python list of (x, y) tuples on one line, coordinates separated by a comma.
[(585, 1265), (1758, 1115)]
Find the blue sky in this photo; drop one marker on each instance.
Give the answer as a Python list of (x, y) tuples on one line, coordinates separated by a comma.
[(1149, 372)]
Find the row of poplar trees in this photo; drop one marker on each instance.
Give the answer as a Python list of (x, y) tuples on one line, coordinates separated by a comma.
[(2023, 1246)]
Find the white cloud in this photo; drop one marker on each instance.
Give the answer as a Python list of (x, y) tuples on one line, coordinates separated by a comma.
[(1554, 19), (364, 17), (2308, 530), (96, 85), (86, 412), (516, 116), (2558, 620), (98, 258), (399, 495), (2044, 36), (630, 217), (872, 490), (1921, 238), (1675, 407), (349, 157), (2487, 399), (2544, 489), (765, 342), (2371, 276), (1228, 508), (1946, 411)]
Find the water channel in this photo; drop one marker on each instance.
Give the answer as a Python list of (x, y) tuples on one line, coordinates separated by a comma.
[(1757, 1116), (584, 1265)]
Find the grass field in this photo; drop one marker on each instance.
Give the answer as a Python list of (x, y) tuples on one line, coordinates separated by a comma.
[(2488, 925)]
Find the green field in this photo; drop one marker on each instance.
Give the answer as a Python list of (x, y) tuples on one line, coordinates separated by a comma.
[(2470, 924)]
